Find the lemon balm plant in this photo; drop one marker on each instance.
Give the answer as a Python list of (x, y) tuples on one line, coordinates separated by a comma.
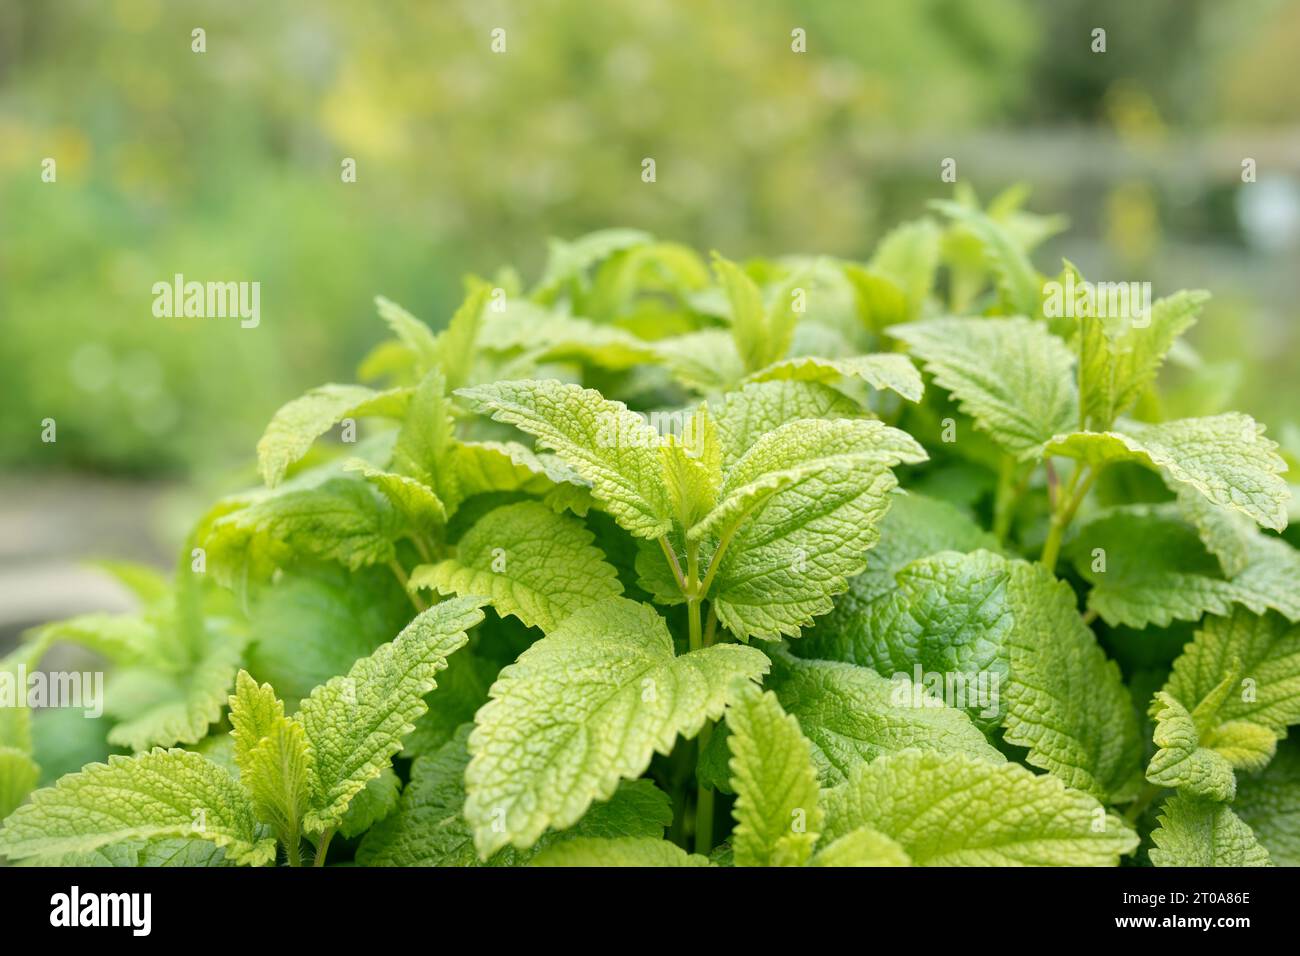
[(797, 562)]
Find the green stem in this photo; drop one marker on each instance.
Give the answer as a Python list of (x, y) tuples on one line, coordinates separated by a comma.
[(323, 847), (711, 625), (293, 852), (399, 572), (704, 805), (1071, 497), (673, 563)]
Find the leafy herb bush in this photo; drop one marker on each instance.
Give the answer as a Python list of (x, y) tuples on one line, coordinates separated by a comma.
[(901, 568)]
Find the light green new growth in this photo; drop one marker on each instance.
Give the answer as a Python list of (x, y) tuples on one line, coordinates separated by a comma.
[(956, 810), (1195, 832), (534, 564), (355, 723), (583, 708), (778, 818)]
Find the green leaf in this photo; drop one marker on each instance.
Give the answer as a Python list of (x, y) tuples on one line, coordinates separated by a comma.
[(915, 527), (601, 440), (1269, 803), (254, 713), (704, 361), (747, 415), (164, 793), (1012, 376), (1225, 458), (18, 777), (909, 257), (889, 370), (1018, 283), (487, 466), (762, 334), (356, 723), (568, 260), (627, 851), (275, 774), (956, 810), (1196, 832), (864, 846), (1181, 761), (180, 706), (418, 504), (429, 829), (535, 564), (415, 335), (852, 715), (1066, 702), (453, 350), (298, 424), (1263, 652), (777, 815), (315, 620), (1117, 364), (1006, 633), (880, 300), (584, 707), (1156, 571), (338, 520), (791, 549), (372, 804)]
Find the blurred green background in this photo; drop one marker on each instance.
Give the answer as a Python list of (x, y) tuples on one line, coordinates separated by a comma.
[(226, 165)]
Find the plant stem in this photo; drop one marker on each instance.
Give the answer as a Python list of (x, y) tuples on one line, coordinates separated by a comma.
[(711, 625), (673, 562), (323, 847), (704, 795), (1071, 497), (399, 572), (1089, 616), (704, 806), (292, 852)]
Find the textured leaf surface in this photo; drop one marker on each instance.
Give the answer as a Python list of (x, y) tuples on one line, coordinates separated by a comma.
[(1120, 356), (1264, 651), (1225, 458), (1004, 636), (1181, 761), (778, 819), (535, 564), (756, 409), (1269, 803), (356, 723), (915, 527), (601, 440), (864, 846), (179, 707), (800, 546), (762, 334), (1012, 376), (161, 793), (889, 370), (298, 424), (429, 829), (627, 851), (1195, 832), (1156, 571), (955, 810), (581, 709), (852, 715)]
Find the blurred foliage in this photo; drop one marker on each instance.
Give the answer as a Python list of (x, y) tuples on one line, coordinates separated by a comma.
[(225, 165)]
